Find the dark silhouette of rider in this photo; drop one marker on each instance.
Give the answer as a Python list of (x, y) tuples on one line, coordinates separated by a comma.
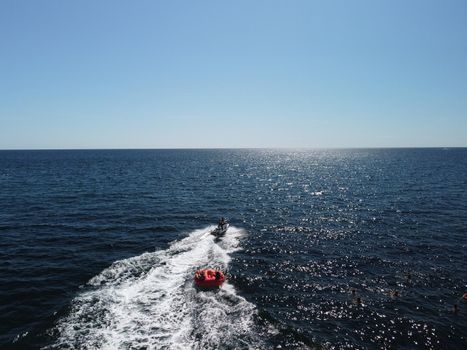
[(222, 222)]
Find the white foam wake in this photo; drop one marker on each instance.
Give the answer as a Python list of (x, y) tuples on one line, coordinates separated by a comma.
[(149, 302)]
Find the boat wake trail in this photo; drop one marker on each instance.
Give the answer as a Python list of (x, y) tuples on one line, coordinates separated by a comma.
[(149, 302)]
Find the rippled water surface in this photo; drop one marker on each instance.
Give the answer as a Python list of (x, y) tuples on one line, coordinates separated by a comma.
[(328, 249)]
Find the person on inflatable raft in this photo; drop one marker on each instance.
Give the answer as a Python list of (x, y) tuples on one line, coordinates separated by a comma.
[(209, 278)]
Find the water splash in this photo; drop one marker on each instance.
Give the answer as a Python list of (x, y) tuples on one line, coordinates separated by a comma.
[(149, 302)]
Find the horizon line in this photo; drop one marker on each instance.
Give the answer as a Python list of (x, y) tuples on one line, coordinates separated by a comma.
[(229, 148)]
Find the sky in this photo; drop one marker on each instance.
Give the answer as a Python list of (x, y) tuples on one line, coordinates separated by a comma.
[(223, 74)]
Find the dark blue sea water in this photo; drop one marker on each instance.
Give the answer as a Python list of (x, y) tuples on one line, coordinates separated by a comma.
[(98, 249)]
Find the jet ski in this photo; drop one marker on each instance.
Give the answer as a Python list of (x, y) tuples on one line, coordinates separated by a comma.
[(220, 230), (209, 279)]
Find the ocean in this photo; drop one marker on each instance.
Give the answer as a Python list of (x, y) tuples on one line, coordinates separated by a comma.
[(327, 249)]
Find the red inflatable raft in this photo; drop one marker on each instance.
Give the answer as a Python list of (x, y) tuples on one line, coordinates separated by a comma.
[(209, 278)]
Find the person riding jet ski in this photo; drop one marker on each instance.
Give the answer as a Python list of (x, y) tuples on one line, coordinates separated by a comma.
[(221, 228), (222, 222)]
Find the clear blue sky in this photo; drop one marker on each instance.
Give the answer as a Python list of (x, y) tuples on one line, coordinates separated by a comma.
[(169, 74)]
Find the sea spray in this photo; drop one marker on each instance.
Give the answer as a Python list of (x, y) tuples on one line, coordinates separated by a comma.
[(149, 301)]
